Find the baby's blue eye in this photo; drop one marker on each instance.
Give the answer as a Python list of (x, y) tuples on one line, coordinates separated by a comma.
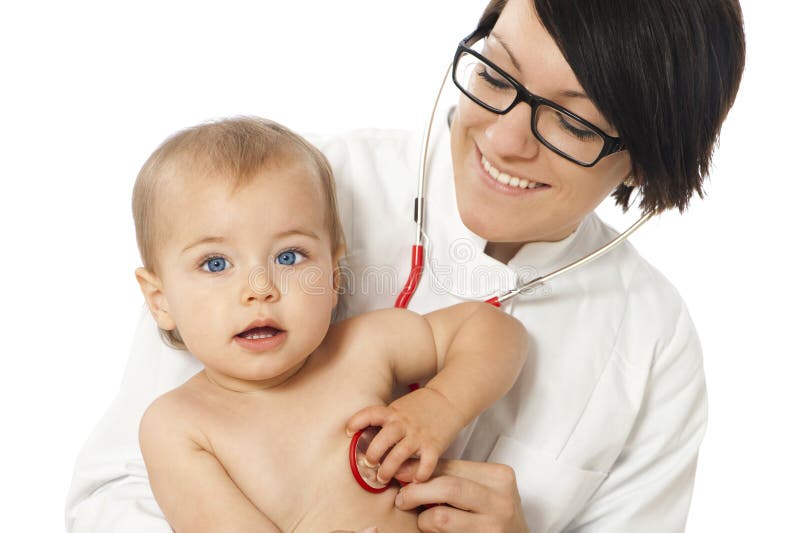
[(290, 257), (215, 264)]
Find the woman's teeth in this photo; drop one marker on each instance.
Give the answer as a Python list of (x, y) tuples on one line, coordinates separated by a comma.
[(505, 179)]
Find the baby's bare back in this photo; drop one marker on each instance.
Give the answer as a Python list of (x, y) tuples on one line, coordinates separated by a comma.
[(286, 448)]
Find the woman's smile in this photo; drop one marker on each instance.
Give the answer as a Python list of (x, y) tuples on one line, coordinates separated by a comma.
[(503, 181)]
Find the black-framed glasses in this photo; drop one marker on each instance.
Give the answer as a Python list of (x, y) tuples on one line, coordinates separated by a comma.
[(558, 128)]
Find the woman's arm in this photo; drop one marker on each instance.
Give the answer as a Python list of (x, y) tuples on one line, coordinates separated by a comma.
[(650, 486)]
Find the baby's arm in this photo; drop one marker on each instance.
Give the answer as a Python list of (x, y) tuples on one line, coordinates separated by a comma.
[(479, 350), (190, 485)]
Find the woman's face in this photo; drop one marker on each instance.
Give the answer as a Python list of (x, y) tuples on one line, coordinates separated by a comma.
[(521, 46)]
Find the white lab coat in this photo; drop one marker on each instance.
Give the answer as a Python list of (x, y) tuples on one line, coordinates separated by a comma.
[(604, 424)]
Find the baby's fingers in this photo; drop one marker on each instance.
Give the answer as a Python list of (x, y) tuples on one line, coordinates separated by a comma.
[(402, 451), (385, 439), (426, 466), (374, 415)]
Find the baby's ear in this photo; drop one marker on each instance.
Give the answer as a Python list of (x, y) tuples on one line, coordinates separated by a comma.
[(338, 280), (152, 290)]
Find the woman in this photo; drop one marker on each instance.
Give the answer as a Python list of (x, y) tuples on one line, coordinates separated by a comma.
[(602, 430)]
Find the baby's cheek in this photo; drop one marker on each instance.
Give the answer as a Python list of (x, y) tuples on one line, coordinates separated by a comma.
[(197, 341), (316, 309), (203, 326)]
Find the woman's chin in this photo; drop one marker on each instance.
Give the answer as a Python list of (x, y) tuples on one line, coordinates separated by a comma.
[(490, 228)]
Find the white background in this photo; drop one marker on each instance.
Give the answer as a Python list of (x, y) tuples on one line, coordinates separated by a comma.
[(90, 88)]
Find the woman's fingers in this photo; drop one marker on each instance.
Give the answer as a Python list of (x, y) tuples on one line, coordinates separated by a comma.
[(497, 476), (456, 492), (443, 519), (476, 497)]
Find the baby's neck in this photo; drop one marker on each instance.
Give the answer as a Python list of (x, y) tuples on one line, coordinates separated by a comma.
[(234, 384)]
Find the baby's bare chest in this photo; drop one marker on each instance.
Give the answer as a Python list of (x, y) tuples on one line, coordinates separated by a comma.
[(281, 449), (289, 456)]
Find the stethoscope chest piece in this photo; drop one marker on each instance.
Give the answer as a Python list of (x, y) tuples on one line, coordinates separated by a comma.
[(365, 475)]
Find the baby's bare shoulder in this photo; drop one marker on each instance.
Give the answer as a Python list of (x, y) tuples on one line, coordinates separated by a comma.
[(174, 416), (382, 324), (179, 402), (384, 334)]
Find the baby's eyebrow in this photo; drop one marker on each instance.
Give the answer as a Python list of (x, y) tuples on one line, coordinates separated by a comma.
[(297, 231), (204, 240), (288, 233)]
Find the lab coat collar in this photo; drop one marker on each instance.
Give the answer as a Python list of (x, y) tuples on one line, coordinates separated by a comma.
[(545, 256)]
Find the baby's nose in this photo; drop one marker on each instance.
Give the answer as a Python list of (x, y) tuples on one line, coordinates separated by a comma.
[(260, 286)]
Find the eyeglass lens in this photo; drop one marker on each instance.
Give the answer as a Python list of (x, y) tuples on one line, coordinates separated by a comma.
[(556, 129)]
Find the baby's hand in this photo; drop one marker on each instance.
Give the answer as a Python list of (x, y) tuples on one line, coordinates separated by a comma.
[(420, 424)]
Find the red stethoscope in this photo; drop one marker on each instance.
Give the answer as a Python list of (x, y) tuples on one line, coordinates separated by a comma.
[(365, 475)]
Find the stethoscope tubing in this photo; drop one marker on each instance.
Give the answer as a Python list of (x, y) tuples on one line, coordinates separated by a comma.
[(418, 264), (528, 285), (418, 250)]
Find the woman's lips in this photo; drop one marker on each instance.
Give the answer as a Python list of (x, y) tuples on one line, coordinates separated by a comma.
[(494, 178)]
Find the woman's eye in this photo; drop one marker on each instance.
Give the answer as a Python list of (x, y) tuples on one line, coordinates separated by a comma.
[(493, 79), (571, 127), (290, 257), (214, 264)]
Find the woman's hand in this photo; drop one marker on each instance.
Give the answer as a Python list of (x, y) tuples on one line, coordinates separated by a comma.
[(478, 497)]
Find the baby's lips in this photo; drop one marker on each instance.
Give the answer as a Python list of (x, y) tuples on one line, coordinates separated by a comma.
[(261, 323), (266, 330)]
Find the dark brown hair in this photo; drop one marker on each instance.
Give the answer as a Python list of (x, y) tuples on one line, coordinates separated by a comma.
[(663, 72)]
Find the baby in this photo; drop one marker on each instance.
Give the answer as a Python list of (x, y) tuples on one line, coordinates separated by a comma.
[(238, 230)]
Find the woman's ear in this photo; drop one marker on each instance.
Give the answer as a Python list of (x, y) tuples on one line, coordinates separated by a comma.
[(152, 290)]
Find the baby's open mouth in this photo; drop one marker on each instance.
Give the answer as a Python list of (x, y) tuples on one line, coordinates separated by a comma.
[(263, 332)]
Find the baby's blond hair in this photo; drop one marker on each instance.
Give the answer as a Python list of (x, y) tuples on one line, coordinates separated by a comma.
[(233, 149)]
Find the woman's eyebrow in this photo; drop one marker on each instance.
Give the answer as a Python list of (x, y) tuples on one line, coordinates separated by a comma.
[(507, 49), (567, 93)]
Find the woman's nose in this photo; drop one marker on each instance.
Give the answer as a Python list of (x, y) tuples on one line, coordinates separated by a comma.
[(511, 135), (261, 285)]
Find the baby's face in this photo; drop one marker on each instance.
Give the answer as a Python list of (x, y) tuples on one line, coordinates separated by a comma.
[(260, 256)]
